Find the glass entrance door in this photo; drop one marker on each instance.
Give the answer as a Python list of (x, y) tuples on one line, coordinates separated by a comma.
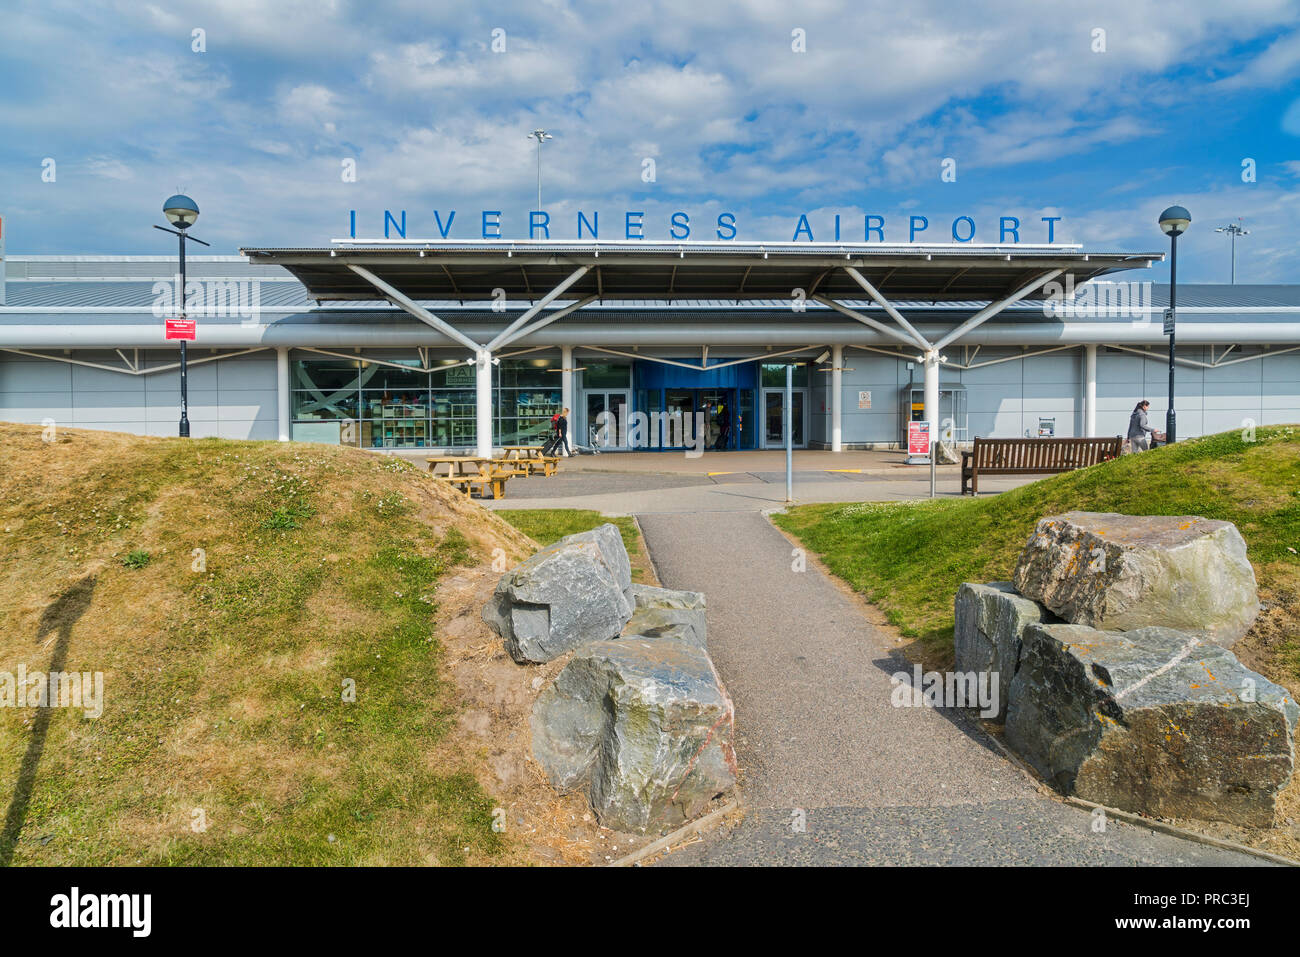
[(606, 420), (774, 418)]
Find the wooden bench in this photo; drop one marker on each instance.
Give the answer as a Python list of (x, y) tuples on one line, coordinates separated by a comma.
[(1032, 457)]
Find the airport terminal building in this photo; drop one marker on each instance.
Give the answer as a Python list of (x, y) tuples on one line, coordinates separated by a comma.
[(461, 346)]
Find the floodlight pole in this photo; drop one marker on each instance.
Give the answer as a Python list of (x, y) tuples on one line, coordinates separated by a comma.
[(1233, 230), (540, 135)]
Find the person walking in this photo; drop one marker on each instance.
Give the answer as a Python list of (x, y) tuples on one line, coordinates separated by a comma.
[(724, 426), (1139, 432), (562, 426)]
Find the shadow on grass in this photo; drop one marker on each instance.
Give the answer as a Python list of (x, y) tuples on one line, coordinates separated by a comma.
[(59, 617)]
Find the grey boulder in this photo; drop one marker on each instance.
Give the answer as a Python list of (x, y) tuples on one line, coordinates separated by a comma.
[(565, 595), (990, 625), (667, 613), (643, 725), (1154, 721), (609, 540), (1122, 572)]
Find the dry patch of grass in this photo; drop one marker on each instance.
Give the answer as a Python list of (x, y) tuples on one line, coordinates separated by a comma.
[(234, 595)]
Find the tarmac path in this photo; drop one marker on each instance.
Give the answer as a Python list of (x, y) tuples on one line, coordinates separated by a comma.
[(817, 733)]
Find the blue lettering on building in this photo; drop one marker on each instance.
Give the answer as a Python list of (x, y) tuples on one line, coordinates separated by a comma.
[(678, 226), (444, 230)]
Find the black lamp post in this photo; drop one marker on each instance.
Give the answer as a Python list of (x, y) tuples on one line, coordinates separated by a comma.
[(1174, 221), (181, 212)]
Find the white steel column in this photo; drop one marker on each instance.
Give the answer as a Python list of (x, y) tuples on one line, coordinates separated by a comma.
[(282, 391), (566, 378), (1090, 391), (932, 391), (483, 406), (837, 398)]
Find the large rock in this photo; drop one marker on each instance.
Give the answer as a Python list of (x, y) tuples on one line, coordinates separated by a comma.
[(651, 596), (1154, 721), (565, 595), (667, 613), (990, 624), (1121, 572), (609, 540), (643, 725)]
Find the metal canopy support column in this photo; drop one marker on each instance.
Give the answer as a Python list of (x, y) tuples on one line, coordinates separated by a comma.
[(398, 298), (282, 391), (566, 378), (931, 360), (483, 403), (837, 397), (1090, 391)]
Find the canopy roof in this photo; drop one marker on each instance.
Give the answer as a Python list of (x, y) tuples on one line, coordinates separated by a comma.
[(530, 269)]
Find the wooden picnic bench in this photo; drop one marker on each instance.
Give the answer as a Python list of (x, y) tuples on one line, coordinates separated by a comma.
[(1032, 457), (465, 472), (529, 459)]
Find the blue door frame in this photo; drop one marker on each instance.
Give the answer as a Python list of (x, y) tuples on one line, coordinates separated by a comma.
[(737, 384)]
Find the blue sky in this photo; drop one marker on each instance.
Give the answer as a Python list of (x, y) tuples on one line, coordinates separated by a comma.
[(1039, 121)]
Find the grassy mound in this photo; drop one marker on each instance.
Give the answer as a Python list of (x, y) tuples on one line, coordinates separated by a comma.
[(235, 596), (909, 558)]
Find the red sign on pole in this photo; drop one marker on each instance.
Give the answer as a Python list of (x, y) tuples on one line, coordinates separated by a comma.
[(918, 438), (182, 328)]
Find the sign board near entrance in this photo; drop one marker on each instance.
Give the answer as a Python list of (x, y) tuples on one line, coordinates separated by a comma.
[(182, 329), (864, 400), (460, 375), (918, 439)]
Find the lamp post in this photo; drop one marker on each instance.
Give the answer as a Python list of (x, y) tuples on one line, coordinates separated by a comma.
[(541, 136), (1174, 222), (181, 212)]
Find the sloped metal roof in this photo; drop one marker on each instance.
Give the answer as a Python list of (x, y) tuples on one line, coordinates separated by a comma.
[(706, 270)]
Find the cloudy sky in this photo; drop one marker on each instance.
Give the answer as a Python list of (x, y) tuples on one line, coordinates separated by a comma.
[(1098, 113)]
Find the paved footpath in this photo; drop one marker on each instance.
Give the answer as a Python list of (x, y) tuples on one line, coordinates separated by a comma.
[(810, 678)]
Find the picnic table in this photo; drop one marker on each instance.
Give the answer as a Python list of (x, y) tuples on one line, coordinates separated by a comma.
[(529, 459), (465, 472)]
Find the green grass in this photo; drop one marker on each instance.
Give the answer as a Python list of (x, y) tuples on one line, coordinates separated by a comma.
[(547, 525), (263, 617), (909, 558)]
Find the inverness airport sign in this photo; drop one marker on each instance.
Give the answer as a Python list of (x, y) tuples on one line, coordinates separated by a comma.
[(632, 224)]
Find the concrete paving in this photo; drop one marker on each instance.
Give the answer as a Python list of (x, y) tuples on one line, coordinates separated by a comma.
[(629, 492), (817, 733)]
